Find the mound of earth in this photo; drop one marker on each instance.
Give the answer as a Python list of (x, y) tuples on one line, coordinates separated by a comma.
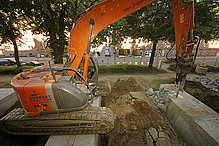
[(137, 120)]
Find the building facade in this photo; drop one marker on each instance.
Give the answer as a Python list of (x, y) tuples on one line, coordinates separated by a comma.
[(28, 45)]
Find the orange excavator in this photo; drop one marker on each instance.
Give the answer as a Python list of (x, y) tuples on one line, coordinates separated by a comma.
[(56, 99)]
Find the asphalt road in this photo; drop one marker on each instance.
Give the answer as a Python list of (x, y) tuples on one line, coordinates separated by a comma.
[(211, 60)]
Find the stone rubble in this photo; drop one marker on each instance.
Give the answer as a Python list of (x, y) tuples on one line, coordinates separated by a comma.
[(210, 82), (161, 97), (157, 137)]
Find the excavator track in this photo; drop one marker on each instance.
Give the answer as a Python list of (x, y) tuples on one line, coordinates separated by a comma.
[(92, 120)]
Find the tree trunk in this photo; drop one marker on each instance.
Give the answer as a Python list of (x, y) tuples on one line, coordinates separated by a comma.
[(61, 34), (16, 55), (153, 53), (56, 47)]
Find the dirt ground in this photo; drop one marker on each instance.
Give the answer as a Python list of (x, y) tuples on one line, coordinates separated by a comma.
[(137, 120), (5, 79)]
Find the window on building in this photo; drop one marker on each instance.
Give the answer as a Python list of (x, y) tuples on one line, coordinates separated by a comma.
[(200, 52)]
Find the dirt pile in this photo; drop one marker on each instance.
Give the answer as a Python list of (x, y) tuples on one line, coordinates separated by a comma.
[(137, 120)]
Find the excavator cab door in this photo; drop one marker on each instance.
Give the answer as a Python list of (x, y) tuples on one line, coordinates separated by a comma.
[(92, 75)]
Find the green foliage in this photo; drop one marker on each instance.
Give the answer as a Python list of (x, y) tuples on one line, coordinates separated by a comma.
[(153, 22), (172, 67), (11, 22), (12, 70), (128, 69), (117, 31), (212, 68), (55, 19), (7, 84), (157, 84), (206, 19)]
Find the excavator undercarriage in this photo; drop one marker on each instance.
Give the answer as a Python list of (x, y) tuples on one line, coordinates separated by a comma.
[(92, 120)]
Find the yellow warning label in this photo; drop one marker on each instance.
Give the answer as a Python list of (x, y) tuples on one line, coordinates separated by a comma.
[(181, 18)]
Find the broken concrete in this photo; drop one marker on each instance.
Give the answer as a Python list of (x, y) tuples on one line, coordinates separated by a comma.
[(210, 81), (195, 122)]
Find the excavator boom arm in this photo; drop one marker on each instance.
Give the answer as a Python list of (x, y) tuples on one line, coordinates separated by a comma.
[(109, 11)]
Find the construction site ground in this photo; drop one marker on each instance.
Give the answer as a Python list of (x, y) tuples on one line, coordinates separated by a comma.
[(137, 120)]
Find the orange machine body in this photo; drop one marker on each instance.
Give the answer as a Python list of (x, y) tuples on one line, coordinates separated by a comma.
[(32, 92)]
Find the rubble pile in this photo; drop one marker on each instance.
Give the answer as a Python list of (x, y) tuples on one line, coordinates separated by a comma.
[(161, 97), (209, 82)]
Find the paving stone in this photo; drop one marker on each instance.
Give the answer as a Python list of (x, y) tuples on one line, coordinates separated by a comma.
[(149, 139), (153, 133), (163, 142)]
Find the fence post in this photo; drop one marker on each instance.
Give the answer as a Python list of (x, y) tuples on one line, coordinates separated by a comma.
[(114, 59)]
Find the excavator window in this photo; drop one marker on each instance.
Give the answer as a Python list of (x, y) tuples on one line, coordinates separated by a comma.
[(91, 68)]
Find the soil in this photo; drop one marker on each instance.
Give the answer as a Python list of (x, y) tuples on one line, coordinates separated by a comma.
[(5, 79), (137, 120)]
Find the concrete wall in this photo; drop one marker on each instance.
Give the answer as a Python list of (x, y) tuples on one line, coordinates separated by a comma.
[(7, 99), (195, 122)]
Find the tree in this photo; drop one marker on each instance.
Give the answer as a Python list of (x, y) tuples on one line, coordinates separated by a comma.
[(10, 25), (54, 18), (153, 22), (206, 19)]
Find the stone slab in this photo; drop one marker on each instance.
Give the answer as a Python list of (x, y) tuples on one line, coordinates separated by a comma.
[(72, 140), (7, 99), (75, 140), (195, 122)]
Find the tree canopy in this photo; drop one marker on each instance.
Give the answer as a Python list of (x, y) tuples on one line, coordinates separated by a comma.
[(206, 19), (155, 22), (55, 18), (11, 23)]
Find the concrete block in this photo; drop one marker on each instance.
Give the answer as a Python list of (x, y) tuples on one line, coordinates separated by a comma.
[(195, 122), (7, 99), (75, 140), (72, 140)]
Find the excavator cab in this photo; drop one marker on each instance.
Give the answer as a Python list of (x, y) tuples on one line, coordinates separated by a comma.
[(92, 74)]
